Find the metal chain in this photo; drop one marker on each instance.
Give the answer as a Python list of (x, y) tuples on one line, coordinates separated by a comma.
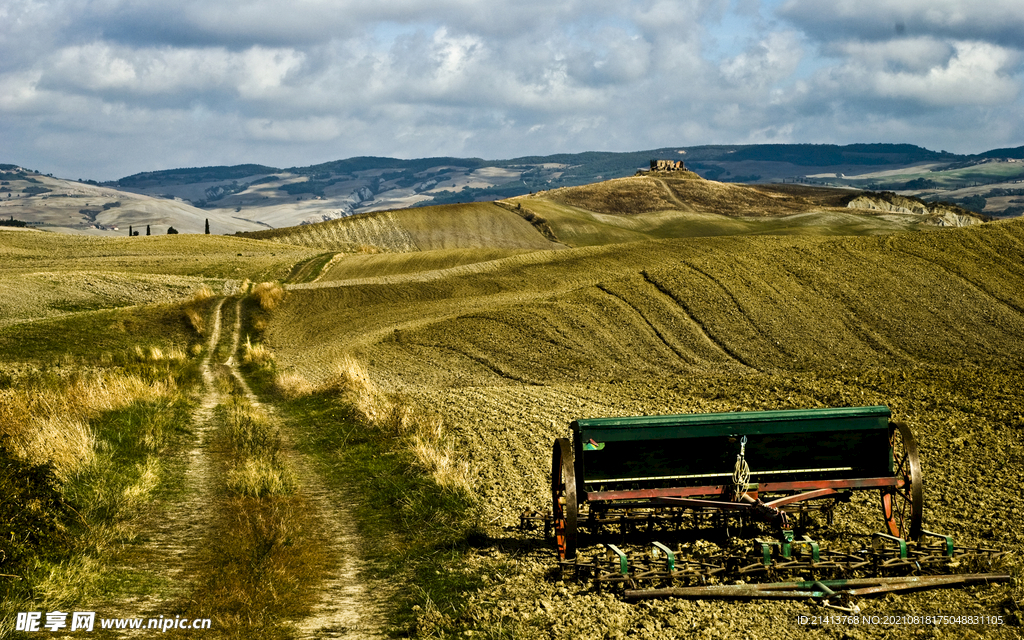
[(741, 473)]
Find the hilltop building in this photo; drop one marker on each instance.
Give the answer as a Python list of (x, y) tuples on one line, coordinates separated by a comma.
[(667, 165)]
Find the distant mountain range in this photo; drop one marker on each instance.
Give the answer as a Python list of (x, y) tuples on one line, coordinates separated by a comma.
[(252, 196), (442, 180)]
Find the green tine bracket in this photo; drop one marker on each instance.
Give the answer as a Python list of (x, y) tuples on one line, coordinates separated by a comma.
[(948, 539), (670, 558), (901, 541), (786, 541), (815, 550), (623, 561)]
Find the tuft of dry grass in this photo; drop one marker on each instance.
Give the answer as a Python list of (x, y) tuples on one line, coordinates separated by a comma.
[(259, 477), (255, 440), (193, 308), (438, 456), (257, 354), (203, 293), (154, 354), (196, 319), (264, 566), (351, 380), (269, 295), (250, 430), (424, 432), (292, 385)]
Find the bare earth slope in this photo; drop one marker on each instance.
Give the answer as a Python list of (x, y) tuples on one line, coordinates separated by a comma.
[(510, 351)]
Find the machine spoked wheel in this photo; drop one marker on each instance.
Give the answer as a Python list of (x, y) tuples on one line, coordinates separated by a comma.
[(563, 498), (902, 505)]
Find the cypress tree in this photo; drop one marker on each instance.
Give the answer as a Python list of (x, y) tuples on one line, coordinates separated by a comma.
[(207, 226), (129, 231), (147, 229)]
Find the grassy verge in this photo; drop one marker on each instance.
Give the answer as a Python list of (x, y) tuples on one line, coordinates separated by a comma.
[(84, 454), (100, 336), (95, 411)]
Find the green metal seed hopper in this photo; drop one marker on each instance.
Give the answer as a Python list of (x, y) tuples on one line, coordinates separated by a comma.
[(756, 462)]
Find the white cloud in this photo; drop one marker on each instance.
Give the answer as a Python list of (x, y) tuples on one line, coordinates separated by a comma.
[(925, 71), (975, 74), (99, 67), (769, 61)]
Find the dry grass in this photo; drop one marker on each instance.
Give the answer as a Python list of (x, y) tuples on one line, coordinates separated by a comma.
[(622, 196), (264, 565), (250, 430), (203, 293), (154, 354), (258, 477), (352, 381), (428, 440), (464, 226), (190, 255), (688, 192), (255, 440), (258, 355), (293, 385), (369, 266), (47, 420), (194, 308), (269, 295), (195, 318), (71, 581)]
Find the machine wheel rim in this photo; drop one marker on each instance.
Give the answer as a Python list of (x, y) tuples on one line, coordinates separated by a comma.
[(902, 505), (563, 498)]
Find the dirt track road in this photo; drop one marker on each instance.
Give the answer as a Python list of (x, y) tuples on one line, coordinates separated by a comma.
[(176, 527)]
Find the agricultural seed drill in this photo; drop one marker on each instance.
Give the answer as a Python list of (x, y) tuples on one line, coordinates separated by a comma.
[(655, 473)]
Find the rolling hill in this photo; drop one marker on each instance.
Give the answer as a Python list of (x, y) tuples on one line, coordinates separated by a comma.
[(643, 207)]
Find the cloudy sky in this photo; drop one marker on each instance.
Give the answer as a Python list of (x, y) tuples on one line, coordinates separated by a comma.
[(105, 88)]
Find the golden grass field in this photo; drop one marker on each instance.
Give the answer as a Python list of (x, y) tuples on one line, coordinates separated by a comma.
[(660, 296)]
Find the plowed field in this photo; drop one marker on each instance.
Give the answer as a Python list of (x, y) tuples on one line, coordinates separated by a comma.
[(510, 351)]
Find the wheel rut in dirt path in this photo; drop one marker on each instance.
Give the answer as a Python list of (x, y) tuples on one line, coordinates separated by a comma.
[(174, 524), (346, 608)]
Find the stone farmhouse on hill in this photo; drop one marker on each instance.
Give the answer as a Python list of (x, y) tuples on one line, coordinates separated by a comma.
[(667, 165)]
